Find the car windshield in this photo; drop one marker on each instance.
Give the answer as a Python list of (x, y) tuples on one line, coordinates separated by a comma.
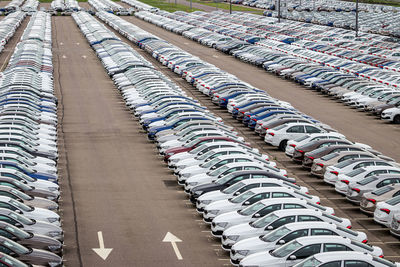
[(14, 246), (17, 232), (262, 222), (233, 188), (12, 262), (21, 194), (20, 205), (242, 197), (251, 209), (279, 127), (219, 171), (286, 249), (21, 218), (210, 163), (274, 235), (311, 262), (382, 190), (355, 172)]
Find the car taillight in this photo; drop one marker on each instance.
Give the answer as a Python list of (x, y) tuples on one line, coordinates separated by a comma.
[(248, 116), (365, 241), (320, 164), (266, 128), (372, 200), (254, 119), (233, 105), (356, 189), (292, 145), (242, 112), (381, 256), (312, 158), (224, 99), (335, 173), (301, 151), (345, 181), (387, 211), (271, 134), (348, 227), (217, 96), (307, 193), (319, 203)]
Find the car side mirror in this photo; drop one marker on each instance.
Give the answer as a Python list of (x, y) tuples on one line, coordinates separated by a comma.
[(270, 228), (281, 242), (257, 215), (292, 257), (236, 193), (247, 203), (230, 198)]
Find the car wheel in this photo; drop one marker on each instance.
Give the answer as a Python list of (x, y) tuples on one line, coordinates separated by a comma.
[(282, 145), (396, 119)]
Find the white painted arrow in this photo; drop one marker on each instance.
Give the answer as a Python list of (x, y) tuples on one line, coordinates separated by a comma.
[(173, 239), (102, 252)]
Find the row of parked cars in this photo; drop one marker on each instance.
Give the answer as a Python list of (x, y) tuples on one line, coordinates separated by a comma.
[(65, 5), (30, 6), (13, 5), (140, 5), (241, 193), (110, 6), (9, 25), (373, 18), (30, 226), (353, 76)]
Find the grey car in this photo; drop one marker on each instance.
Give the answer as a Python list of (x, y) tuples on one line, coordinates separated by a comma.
[(29, 255), (38, 202), (7, 260), (29, 239), (27, 189), (369, 200), (358, 189)]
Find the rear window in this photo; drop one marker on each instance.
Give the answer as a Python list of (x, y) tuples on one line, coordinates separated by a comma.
[(347, 231), (355, 172), (332, 217), (344, 164), (394, 201), (329, 156), (384, 262), (361, 245), (382, 190), (367, 180), (280, 127)]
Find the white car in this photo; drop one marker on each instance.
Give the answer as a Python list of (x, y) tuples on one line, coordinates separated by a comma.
[(341, 186), (391, 114), (305, 139), (274, 220), (385, 211), (287, 233), (260, 209), (395, 225), (345, 258), (279, 136), (226, 169), (301, 248), (249, 197), (242, 186)]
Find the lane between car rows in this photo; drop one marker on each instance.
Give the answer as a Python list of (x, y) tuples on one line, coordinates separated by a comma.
[(381, 136), (119, 187), (377, 235)]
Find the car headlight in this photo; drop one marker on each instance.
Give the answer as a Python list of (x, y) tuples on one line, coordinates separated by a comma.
[(233, 237), (186, 175), (170, 154), (54, 233), (205, 202), (53, 188), (51, 220), (193, 183), (54, 264), (386, 113), (243, 252), (215, 212), (222, 224)]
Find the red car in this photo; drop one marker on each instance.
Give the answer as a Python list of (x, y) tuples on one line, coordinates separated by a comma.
[(200, 141)]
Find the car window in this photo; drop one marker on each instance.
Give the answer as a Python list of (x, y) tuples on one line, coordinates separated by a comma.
[(269, 185), (269, 209), (305, 218), (382, 163), (393, 171), (312, 129), (335, 247), (332, 264), (296, 129), (387, 182), (295, 234), (257, 197), (307, 251), (248, 187), (5, 234), (5, 250), (280, 194), (322, 232), (237, 179), (363, 164), (396, 194), (377, 172), (283, 221), (355, 263), (293, 206)]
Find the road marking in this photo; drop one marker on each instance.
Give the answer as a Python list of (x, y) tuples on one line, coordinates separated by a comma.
[(77, 43), (101, 251), (84, 56), (64, 56), (185, 43), (215, 56), (61, 43), (173, 239)]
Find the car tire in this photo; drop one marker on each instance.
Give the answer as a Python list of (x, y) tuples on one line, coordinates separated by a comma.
[(396, 119), (282, 145)]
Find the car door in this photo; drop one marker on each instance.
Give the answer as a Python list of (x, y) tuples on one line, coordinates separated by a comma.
[(312, 129), (302, 254), (294, 131), (332, 264), (331, 247)]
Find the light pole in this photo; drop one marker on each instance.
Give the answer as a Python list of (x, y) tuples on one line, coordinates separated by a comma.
[(356, 18), (230, 6), (279, 10), (190, 4)]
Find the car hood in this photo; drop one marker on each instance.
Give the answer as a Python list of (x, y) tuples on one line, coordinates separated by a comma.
[(262, 259)]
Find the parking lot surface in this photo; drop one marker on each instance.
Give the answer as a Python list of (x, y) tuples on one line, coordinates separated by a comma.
[(119, 187)]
